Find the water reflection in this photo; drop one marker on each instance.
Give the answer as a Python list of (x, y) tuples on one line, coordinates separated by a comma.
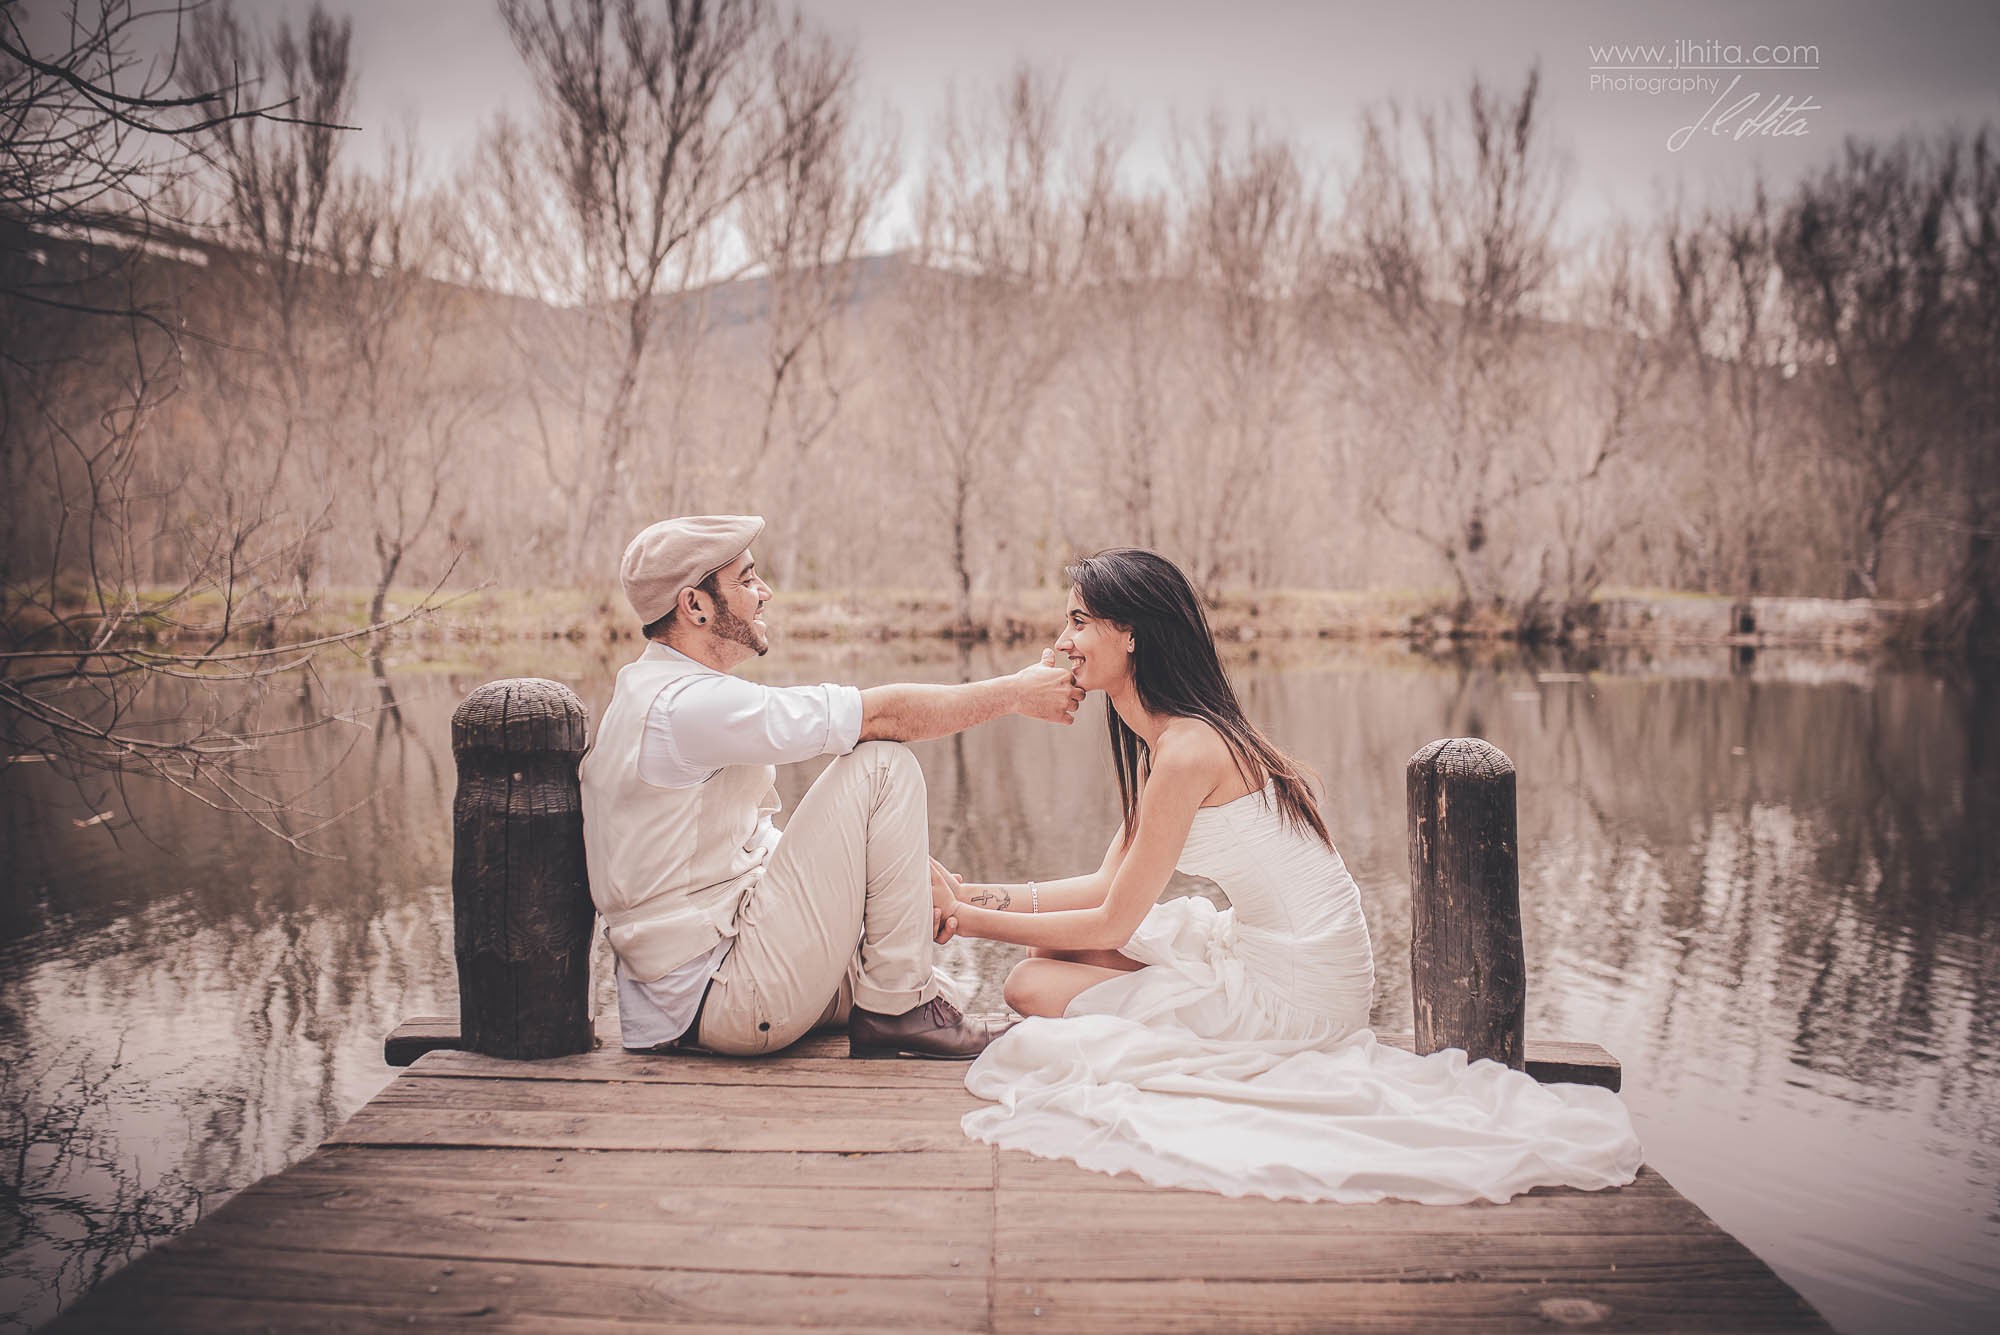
[(1769, 888)]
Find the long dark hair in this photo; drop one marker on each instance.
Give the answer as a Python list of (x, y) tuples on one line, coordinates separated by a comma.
[(1177, 673)]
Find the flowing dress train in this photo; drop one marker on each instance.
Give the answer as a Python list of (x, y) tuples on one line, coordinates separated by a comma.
[(1239, 1061)]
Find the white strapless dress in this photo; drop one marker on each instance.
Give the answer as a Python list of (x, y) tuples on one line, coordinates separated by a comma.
[(1240, 1060)]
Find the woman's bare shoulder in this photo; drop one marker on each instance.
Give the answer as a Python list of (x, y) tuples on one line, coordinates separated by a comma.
[(1193, 746)]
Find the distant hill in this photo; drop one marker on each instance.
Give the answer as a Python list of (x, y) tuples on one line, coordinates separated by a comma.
[(180, 261)]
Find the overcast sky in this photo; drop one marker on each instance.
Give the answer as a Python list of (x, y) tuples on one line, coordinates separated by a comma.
[(1312, 65)]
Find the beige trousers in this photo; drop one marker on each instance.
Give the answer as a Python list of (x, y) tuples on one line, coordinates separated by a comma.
[(842, 915)]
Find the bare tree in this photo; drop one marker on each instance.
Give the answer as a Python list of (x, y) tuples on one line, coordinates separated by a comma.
[(116, 581), (1604, 376), (1000, 236), (267, 402), (611, 205), (1136, 326), (1731, 323), (1970, 613), (804, 224), (1254, 258), (1450, 242), (409, 386), (1864, 251)]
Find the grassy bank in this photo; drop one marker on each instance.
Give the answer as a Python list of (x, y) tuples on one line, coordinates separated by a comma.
[(1622, 617), (888, 614)]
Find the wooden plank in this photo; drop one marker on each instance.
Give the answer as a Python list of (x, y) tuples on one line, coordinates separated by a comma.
[(381, 1124), (1716, 1304), (151, 1315), (1362, 1256), (421, 1034), (320, 1197), (437, 1033), (833, 1043), (1026, 1172), (285, 1317), (923, 1234), (1050, 1209), (194, 1285), (418, 1035), (440, 1033), (939, 1104), (1548, 1060), (1551, 1061), (664, 1168), (691, 1069)]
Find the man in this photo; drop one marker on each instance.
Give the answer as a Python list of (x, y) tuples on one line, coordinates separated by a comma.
[(728, 937)]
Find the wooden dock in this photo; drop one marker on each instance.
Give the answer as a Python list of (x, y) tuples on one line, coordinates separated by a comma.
[(595, 1189), (614, 1190)]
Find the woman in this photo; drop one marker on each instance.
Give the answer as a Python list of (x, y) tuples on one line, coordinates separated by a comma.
[(1230, 1050)]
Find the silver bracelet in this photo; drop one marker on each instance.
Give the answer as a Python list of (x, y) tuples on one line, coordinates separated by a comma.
[(1034, 898)]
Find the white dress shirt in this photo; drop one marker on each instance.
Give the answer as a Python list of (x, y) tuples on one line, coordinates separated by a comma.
[(715, 719), (692, 730)]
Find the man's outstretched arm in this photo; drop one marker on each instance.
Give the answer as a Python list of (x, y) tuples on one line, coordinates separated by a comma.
[(916, 712)]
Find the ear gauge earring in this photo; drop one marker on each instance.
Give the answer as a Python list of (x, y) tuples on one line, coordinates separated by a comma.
[(701, 621)]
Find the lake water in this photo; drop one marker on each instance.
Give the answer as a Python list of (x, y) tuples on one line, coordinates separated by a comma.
[(1769, 888)]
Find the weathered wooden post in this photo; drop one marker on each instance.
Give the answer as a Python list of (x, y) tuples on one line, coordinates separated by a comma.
[(1468, 978), (521, 910)]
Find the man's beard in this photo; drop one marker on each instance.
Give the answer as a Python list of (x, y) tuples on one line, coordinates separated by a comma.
[(729, 626)]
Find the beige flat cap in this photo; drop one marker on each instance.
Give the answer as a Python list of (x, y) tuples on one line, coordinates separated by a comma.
[(677, 554)]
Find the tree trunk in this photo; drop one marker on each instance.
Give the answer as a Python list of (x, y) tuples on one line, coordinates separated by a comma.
[(961, 557)]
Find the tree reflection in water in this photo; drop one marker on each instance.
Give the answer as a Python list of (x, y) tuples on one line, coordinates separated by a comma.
[(73, 1203), (1769, 888)]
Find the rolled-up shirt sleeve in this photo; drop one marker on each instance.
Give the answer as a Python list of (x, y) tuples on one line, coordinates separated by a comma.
[(719, 720)]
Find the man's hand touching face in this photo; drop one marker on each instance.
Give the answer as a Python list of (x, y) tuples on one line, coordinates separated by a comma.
[(1048, 691)]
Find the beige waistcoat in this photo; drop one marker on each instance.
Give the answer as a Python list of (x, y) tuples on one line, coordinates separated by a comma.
[(668, 866)]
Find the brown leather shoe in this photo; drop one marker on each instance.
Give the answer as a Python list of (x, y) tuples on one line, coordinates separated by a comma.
[(935, 1029)]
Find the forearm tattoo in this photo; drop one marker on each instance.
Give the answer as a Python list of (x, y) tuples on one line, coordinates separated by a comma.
[(991, 897)]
